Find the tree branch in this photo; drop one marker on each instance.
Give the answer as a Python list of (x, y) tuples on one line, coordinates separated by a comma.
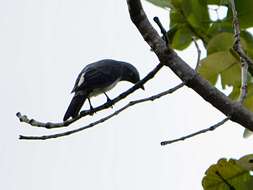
[(237, 44), (163, 31), (132, 103), (212, 128), (198, 53), (245, 61), (237, 112), (51, 125)]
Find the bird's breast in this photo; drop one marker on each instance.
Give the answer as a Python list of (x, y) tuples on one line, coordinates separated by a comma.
[(98, 91)]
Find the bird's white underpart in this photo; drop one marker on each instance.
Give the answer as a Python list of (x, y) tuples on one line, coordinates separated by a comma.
[(97, 91)]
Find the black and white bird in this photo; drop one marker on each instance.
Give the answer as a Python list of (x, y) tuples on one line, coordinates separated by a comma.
[(97, 78)]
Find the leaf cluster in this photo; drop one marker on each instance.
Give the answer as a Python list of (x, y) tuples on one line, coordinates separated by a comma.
[(191, 19), (230, 174)]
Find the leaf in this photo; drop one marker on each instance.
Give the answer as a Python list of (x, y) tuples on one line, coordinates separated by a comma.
[(179, 34), (246, 162), (220, 42), (182, 39), (176, 18), (188, 18), (223, 42), (248, 103), (220, 26), (248, 38), (231, 76), (171, 33), (244, 9), (196, 13), (221, 63), (227, 172), (218, 2), (161, 3)]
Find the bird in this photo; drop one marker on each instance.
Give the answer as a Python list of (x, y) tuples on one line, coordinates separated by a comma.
[(98, 78)]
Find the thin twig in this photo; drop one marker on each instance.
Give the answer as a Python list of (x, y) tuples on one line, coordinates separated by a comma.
[(151, 98), (204, 130), (244, 67), (243, 57), (163, 31), (198, 53), (168, 57), (213, 127), (51, 125)]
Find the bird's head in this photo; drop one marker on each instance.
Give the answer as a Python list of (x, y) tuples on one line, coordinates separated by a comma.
[(130, 73)]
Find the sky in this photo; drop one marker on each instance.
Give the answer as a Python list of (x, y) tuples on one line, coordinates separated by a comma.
[(44, 44)]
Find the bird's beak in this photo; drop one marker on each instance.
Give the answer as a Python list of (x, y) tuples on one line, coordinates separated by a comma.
[(142, 87)]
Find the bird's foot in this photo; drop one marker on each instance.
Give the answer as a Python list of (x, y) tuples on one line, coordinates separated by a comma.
[(92, 110), (109, 103)]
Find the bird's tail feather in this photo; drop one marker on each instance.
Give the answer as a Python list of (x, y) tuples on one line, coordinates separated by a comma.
[(74, 106)]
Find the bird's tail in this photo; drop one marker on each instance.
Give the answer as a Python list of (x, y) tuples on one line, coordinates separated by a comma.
[(74, 106)]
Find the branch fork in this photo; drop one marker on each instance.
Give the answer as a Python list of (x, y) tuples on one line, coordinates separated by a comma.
[(235, 111)]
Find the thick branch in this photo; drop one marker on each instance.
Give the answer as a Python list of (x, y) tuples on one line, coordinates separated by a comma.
[(168, 57)]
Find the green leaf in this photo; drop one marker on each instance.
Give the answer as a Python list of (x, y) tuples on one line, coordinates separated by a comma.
[(182, 39), (244, 10), (189, 18), (220, 42), (177, 18), (220, 26), (248, 38), (221, 63), (179, 35), (227, 172), (231, 76), (171, 33), (218, 2), (246, 162), (161, 3), (196, 12), (223, 42), (248, 102)]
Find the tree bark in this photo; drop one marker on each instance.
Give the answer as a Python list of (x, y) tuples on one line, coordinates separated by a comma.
[(235, 110)]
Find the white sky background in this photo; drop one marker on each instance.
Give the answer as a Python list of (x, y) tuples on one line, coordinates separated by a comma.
[(43, 46)]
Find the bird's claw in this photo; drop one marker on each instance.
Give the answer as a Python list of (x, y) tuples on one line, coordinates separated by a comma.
[(109, 103), (92, 110)]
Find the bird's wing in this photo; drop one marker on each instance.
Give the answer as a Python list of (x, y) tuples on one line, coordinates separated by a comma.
[(94, 77)]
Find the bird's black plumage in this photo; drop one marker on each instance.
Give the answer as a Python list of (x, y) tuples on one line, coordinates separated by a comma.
[(97, 78)]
